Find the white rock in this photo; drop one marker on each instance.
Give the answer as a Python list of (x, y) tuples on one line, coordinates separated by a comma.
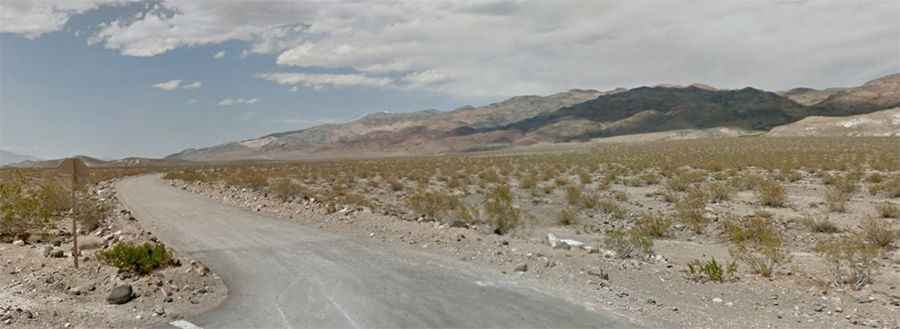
[(717, 300), (18, 243)]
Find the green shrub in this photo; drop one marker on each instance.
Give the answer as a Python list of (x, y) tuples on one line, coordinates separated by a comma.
[(852, 260), (654, 225), (568, 216), (141, 259), (711, 270), (629, 243), (285, 190), (719, 191), (692, 209), (837, 199), (757, 242), (500, 210)]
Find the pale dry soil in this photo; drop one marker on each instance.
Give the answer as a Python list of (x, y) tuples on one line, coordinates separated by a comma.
[(47, 292), (655, 288)]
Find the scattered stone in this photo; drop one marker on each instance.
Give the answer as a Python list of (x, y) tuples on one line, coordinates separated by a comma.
[(717, 300), (521, 268), (19, 243), (120, 295)]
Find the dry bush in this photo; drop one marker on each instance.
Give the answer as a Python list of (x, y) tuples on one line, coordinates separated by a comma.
[(878, 232), (611, 208), (187, 175), (286, 190), (888, 210), (434, 205), (756, 242), (501, 212), (836, 199), (629, 243), (654, 225), (90, 213), (822, 225), (852, 260), (685, 179), (771, 193), (692, 209), (719, 191), (568, 216), (891, 187), (574, 196)]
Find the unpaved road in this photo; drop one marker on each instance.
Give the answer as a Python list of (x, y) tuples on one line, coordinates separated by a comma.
[(284, 275)]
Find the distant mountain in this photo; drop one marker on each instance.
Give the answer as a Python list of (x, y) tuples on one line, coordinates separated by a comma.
[(575, 115), (389, 133), (885, 123), (10, 158), (98, 163), (874, 95)]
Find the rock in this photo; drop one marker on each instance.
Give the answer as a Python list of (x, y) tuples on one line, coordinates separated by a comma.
[(521, 268), (46, 251), (57, 253), (557, 243), (120, 295), (19, 243), (717, 300)]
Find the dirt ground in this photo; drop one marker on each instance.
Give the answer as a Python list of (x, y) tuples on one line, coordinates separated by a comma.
[(798, 295), (40, 291)]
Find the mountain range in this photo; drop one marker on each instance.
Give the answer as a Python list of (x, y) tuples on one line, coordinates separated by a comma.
[(7, 157), (571, 116)]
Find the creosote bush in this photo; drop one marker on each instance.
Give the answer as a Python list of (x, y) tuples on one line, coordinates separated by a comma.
[(757, 242), (654, 225), (852, 260), (500, 210), (820, 225), (137, 258), (629, 243), (692, 208), (711, 270), (878, 232), (888, 210)]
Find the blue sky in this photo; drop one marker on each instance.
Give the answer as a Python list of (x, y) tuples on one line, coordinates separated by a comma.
[(78, 77)]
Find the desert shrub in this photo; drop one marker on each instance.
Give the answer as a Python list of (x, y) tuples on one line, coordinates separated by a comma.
[(529, 181), (585, 178), (771, 193), (137, 258), (878, 232), (574, 196), (395, 184), (756, 242), (499, 208), (432, 204), (90, 213), (247, 178), (820, 225), (654, 225), (711, 270), (719, 191), (852, 260), (54, 198), (685, 179), (187, 175), (836, 199), (745, 182), (285, 190), (568, 216), (629, 243), (20, 211), (692, 208), (888, 210), (611, 208)]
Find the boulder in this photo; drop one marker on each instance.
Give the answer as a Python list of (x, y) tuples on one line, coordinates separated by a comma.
[(19, 243), (120, 295)]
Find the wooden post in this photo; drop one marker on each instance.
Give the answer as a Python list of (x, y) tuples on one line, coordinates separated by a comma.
[(79, 172)]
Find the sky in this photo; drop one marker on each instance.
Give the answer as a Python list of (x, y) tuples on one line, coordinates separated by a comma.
[(117, 78)]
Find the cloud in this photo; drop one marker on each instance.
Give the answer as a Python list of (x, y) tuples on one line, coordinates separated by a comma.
[(510, 47), (319, 81), (168, 85), (219, 55), (236, 101), (194, 85), (33, 18)]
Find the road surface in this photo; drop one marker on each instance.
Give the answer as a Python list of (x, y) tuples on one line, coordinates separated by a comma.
[(285, 275)]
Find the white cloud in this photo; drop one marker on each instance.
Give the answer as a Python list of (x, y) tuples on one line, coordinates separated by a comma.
[(32, 18), (219, 55), (510, 47), (325, 80), (194, 85), (168, 85), (236, 101)]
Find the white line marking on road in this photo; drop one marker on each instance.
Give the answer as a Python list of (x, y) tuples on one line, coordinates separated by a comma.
[(184, 324)]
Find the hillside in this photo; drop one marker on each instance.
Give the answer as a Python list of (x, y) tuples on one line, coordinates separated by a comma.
[(881, 123), (10, 158), (575, 115)]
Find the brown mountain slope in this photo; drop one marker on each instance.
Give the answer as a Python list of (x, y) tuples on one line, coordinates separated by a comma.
[(874, 95), (881, 123), (389, 133)]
